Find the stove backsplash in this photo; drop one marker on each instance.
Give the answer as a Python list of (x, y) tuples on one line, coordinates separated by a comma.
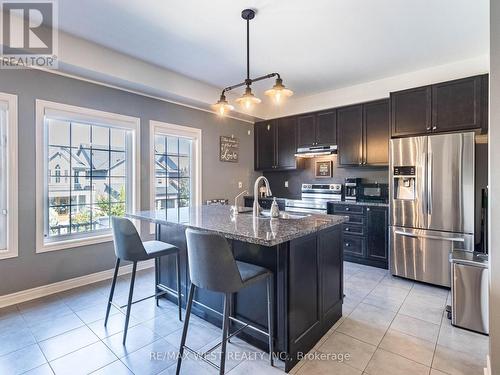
[(306, 175)]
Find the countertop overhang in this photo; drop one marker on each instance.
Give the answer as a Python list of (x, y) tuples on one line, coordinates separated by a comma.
[(242, 227)]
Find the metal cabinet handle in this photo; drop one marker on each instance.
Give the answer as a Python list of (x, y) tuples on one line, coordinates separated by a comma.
[(367, 208), (434, 127), (347, 208), (347, 229), (431, 237), (347, 244)]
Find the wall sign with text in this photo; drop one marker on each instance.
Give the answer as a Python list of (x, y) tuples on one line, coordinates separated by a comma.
[(323, 168), (229, 149)]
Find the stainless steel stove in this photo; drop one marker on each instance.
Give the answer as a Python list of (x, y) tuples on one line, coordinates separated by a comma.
[(314, 198)]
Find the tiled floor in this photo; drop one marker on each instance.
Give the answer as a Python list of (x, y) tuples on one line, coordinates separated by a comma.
[(390, 326)]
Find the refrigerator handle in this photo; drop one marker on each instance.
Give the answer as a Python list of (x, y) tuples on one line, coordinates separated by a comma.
[(429, 183), (413, 235)]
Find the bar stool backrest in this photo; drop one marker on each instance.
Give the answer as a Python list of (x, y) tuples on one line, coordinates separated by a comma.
[(128, 244), (211, 263)]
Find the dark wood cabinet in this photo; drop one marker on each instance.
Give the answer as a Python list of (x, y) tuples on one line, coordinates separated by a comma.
[(443, 107), (326, 128), (411, 111), (457, 105), (376, 227), (364, 236), (363, 134), (376, 133), (264, 145), (306, 130), (317, 129), (350, 135), (275, 144)]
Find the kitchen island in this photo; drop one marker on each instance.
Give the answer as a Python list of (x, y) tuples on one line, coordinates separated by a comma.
[(303, 252)]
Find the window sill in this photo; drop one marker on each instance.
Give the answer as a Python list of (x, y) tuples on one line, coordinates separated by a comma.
[(8, 254), (77, 242)]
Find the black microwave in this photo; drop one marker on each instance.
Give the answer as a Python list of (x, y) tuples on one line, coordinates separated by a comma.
[(373, 193)]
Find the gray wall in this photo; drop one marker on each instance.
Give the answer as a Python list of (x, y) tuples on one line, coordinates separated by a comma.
[(220, 180), (494, 186), (306, 175)]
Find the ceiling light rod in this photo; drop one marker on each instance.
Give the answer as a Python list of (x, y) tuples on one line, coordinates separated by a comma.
[(248, 99)]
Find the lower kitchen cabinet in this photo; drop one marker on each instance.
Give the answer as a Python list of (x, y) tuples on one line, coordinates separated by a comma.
[(364, 236)]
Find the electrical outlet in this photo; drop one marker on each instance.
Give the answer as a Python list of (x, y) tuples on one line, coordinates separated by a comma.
[(240, 184), (249, 132), (286, 184)]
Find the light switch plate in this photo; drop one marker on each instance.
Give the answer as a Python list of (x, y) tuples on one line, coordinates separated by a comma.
[(286, 184)]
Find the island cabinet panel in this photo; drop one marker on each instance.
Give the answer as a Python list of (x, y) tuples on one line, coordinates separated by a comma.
[(377, 224), (350, 135), (331, 260), (275, 144)]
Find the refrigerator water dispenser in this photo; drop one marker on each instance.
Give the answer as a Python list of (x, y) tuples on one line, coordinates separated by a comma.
[(404, 183)]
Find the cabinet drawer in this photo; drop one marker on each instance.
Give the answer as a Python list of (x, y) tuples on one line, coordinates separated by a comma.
[(355, 219), (353, 245), (349, 208), (353, 229)]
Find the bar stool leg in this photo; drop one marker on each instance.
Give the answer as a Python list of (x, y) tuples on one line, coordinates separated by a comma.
[(157, 279), (129, 304), (178, 271), (225, 326), (112, 291), (231, 312), (270, 317), (184, 330)]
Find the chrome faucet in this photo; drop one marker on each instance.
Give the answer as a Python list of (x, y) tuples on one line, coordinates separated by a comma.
[(256, 206)]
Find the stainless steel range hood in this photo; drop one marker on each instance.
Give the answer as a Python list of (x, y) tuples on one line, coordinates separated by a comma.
[(310, 152)]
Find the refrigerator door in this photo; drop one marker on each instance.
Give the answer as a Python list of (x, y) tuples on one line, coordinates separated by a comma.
[(408, 210), (424, 254), (450, 183)]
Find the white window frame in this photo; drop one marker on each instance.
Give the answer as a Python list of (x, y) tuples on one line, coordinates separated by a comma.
[(164, 128), (12, 185), (86, 115)]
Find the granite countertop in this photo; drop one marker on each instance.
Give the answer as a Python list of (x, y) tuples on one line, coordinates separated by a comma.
[(243, 227)]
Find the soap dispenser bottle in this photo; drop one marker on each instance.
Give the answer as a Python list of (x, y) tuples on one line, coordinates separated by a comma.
[(275, 211)]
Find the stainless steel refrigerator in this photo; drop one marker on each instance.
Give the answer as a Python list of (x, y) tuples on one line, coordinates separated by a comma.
[(431, 204)]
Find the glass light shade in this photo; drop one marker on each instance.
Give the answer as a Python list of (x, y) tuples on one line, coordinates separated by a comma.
[(248, 99), (222, 106), (279, 92)]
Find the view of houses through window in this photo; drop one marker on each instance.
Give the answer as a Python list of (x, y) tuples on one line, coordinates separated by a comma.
[(173, 158), (86, 176)]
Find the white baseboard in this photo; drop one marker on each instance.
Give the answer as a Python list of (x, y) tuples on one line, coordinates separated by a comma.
[(60, 286), (487, 369)]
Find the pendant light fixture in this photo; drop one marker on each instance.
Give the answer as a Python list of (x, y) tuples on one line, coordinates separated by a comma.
[(278, 92)]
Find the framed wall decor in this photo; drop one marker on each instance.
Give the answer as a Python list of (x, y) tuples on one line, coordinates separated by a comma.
[(229, 149)]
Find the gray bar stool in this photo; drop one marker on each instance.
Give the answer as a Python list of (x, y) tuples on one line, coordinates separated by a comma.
[(128, 246), (212, 267)]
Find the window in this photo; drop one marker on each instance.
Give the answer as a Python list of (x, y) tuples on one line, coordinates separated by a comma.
[(97, 152), (176, 161), (8, 176)]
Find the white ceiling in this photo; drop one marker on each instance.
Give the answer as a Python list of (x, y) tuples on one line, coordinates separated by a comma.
[(315, 45)]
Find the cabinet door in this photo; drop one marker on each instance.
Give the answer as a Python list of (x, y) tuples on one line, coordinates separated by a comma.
[(264, 145), (411, 111), (350, 135), (376, 127), (306, 130), (377, 227), (457, 105), (286, 144), (326, 128)]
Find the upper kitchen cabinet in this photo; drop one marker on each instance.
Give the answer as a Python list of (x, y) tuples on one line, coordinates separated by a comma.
[(317, 129), (350, 135), (449, 106), (275, 144), (458, 105), (376, 136), (363, 134), (411, 111)]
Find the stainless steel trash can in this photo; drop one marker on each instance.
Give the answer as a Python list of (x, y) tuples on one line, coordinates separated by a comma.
[(469, 290)]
